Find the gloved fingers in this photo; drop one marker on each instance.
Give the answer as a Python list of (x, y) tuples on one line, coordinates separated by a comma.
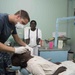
[(23, 50), (20, 50), (30, 49)]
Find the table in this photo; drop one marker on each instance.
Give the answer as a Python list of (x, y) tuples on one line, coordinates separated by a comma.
[(56, 55)]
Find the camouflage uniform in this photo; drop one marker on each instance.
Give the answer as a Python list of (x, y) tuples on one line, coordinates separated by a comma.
[(5, 61)]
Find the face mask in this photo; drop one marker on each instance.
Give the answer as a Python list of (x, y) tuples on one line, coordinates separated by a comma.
[(19, 26)]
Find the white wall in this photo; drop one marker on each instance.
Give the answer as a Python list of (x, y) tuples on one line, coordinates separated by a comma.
[(44, 12)]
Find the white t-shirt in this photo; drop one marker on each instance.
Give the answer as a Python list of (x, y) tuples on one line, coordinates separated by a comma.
[(40, 66), (33, 36)]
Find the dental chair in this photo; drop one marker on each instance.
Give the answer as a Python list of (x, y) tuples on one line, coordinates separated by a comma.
[(23, 71)]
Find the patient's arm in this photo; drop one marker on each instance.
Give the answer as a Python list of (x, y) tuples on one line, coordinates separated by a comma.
[(59, 70)]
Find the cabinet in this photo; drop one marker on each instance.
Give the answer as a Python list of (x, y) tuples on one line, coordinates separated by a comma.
[(56, 55)]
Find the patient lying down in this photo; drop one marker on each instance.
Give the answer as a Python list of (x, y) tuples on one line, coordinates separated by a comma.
[(40, 66)]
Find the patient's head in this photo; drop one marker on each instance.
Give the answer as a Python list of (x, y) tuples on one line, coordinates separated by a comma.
[(20, 59), (15, 59)]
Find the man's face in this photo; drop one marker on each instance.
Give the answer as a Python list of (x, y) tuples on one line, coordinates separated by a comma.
[(23, 21), (33, 26)]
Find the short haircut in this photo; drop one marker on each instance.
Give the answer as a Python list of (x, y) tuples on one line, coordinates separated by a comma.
[(23, 14), (17, 60), (33, 21)]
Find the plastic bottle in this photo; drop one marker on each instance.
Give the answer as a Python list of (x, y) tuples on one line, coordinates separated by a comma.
[(60, 44), (51, 45)]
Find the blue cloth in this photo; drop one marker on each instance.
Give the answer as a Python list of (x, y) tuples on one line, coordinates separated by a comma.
[(6, 28)]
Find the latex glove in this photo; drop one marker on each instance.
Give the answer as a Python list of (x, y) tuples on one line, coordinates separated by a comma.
[(29, 48), (20, 50)]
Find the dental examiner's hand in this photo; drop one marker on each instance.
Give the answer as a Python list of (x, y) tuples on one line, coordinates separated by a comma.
[(20, 50), (30, 49)]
